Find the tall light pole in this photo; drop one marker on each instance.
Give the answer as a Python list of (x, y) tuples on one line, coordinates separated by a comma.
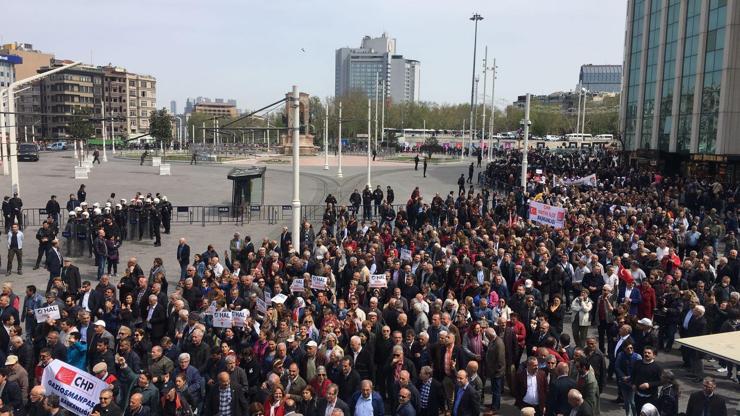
[(526, 145), (326, 136), (102, 111), (476, 17), (295, 107), (578, 111), (14, 180), (376, 110), (382, 114), (339, 143), (483, 106), (268, 132), (369, 141), (493, 112), (583, 123)]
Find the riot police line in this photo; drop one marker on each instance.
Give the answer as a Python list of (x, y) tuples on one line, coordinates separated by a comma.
[(140, 219)]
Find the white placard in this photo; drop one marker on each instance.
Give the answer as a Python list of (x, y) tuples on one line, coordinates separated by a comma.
[(547, 214), (43, 314), (211, 309), (239, 318), (378, 280), (279, 298), (297, 286), (406, 254), (261, 306), (256, 326), (268, 297), (78, 391), (318, 282), (222, 319)]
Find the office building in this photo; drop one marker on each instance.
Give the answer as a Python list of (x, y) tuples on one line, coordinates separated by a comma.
[(142, 100), (216, 109), (681, 81), (115, 98), (601, 78), (7, 69), (173, 107), (357, 69), (191, 102)]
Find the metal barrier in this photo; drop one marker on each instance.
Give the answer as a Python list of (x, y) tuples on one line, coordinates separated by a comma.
[(219, 214)]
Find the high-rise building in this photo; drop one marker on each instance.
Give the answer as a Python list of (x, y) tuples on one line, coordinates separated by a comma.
[(357, 69), (7, 68), (601, 78), (173, 107), (681, 78), (142, 100)]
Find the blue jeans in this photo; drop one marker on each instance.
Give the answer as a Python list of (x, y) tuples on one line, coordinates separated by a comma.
[(100, 262), (496, 386), (629, 399)]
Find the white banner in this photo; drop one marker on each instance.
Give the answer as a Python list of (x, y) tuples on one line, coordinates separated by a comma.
[(279, 298), (297, 286), (43, 314), (239, 318), (78, 390), (547, 214), (378, 280), (222, 319), (261, 306), (405, 254), (318, 282), (589, 180), (211, 308)]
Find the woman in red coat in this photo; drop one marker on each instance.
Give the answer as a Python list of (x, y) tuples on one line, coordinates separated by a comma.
[(274, 405), (647, 306)]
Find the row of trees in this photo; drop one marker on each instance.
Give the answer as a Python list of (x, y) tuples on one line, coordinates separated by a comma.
[(601, 118)]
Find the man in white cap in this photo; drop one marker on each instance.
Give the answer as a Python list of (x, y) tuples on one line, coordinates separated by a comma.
[(643, 335), (311, 361), (17, 373), (99, 333)]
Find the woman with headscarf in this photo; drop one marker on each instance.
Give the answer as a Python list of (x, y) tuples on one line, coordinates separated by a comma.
[(649, 410)]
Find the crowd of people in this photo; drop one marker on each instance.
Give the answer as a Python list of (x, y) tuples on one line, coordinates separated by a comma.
[(429, 309)]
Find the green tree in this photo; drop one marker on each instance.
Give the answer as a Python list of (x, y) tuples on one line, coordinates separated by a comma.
[(160, 127), (81, 128)]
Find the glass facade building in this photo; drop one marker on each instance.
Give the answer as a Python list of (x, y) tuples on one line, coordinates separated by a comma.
[(682, 77), (601, 78)]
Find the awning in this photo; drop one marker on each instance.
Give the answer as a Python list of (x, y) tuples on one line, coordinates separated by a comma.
[(725, 345)]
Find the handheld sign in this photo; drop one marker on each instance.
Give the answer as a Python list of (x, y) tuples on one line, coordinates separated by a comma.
[(318, 282), (211, 309), (43, 314), (279, 298), (405, 254), (261, 306), (297, 286), (78, 391), (239, 318), (378, 281), (222, 319), (268, 297)]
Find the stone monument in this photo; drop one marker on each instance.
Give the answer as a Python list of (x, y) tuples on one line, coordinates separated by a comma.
[(305, 143)]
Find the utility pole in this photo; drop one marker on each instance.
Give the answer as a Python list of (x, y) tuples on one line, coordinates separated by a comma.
[(382, 113), (268, 132), (326, 136), (376, 111), (526, 145), (339, 142), (493, 112), (369, 142), (483, 106), (578, 111), (102, 110), (476, 17), (295, 107)]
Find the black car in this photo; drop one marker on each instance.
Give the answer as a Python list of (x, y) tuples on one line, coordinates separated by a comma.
[(28, 151)]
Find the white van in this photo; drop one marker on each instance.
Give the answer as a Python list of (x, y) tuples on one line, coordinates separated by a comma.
[(577, 136)]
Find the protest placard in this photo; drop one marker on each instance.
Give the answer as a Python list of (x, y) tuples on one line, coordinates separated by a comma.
[(378, 281), (318, 282), (239, 318), (297, 286), (222, 319), (261, 306), (279, 298), (43, 314), (547, 214), (405, 254)]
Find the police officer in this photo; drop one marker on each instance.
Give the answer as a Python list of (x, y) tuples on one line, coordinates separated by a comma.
[(45, 236), (155, 221), (166, 211), (377, 198), (355, 199), (367, 198)]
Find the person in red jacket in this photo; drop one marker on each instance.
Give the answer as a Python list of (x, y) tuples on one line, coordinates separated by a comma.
[(649, 301)]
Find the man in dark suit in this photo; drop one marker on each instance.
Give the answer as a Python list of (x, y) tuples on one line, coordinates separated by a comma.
[(705, 402), (69, 273), (557, 403), (11, 395), (239, 405), (6, 309), (697, 326), (331, 401), (183, 257), (446, 360), (54, 261), (495, 366), (431, 393), (362, 361), (155, 319), (286, 238), (531, 395), (577, 403), (466, 401), (348, 380), (404, 407)]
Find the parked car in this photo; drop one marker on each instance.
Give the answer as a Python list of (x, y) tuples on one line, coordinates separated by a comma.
[(56, 146), (28, 151)]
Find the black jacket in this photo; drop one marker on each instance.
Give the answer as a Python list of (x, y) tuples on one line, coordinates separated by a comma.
[(717, 405), (183, 255), (13, 397), (239, 405)]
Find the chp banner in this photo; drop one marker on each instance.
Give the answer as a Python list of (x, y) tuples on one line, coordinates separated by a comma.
[(43, 314), (78, 391), (547, 214)]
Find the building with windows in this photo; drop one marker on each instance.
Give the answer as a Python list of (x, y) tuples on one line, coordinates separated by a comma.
[(375, 62), (7, 69), (141, 91), (680, 101), (601, 78), (216, 109)]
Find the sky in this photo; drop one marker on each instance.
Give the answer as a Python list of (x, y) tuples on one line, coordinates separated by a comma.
[(255, 50)]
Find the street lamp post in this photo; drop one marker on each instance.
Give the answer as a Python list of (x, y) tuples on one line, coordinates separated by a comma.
[(339, 143), (493, 112), (295, 107), (578, 111), (476, 17), (483, 106), (526, 145), (583, 123), (369, 141), (382, 114), (13, 143), (326, 136), (376, 111), (102, 110)]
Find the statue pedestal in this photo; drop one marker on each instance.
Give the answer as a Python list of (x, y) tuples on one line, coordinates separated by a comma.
[(305, 144)]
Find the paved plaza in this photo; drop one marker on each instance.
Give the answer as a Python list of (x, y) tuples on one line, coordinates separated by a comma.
[(206, 184)]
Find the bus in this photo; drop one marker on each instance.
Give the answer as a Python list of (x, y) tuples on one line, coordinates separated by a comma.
[(578, 136)]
